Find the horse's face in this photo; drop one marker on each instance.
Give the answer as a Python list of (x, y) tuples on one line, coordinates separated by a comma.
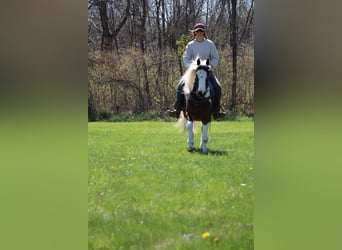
[(201, 82)]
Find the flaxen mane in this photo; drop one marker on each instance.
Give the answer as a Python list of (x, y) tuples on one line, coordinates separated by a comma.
[(189, 77)]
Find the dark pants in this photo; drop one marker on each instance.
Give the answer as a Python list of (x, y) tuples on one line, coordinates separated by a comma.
[(215, 84)]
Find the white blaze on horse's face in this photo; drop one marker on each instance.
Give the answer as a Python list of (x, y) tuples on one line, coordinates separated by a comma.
[(202, 76)]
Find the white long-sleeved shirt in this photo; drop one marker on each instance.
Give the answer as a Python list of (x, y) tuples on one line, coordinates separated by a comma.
[(204, 50)]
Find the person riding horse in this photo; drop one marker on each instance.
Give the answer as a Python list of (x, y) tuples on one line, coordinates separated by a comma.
[(198, 95), (203, 48)]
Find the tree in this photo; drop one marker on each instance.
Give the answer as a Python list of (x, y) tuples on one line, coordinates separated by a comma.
[(234, 46), (146, 41), (107, 36)]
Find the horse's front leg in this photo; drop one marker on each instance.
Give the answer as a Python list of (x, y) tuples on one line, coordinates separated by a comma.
[(204, 138), (190, 141)]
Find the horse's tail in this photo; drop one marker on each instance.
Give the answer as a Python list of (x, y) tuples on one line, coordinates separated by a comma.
[(181, 122)]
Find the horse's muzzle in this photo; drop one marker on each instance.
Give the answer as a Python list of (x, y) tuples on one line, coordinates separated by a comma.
[(201, 94)]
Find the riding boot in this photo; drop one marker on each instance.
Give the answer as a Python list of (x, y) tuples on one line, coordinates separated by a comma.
[(180, 101), (178, 106), (217, 104), (217, 96)]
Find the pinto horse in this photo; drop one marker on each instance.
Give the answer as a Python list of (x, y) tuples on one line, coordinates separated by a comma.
[(198, 96)]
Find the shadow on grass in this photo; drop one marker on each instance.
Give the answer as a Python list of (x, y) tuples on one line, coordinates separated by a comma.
[(211, 152)]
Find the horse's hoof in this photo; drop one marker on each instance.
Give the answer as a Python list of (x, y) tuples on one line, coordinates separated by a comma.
[(204, 150)]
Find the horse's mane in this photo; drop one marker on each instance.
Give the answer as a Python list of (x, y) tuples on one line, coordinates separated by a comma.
[(189, 76)]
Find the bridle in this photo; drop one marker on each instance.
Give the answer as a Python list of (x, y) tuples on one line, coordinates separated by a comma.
[(203, 91)]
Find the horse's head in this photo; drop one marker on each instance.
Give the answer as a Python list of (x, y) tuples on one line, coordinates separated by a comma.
[(201, 85)]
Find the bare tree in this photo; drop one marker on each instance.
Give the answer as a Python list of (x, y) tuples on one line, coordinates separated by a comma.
[(107, 36), (149, 37), (248, 24), (234, 45)]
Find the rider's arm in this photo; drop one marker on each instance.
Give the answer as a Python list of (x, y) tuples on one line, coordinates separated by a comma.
[(214, 55), (187, 56)]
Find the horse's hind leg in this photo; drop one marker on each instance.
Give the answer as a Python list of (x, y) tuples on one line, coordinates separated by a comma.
[(204, 138), (190, 141)]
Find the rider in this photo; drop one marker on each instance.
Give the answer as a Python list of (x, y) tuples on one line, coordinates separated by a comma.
[(205, 49)]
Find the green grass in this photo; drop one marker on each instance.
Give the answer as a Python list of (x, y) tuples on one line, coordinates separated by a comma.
[(147, 192)]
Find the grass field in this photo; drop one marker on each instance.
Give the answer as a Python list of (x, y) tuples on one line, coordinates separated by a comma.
[(147, 192)]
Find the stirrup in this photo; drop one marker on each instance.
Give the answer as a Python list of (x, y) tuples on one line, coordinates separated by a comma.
[(219, 115), (174, 113)]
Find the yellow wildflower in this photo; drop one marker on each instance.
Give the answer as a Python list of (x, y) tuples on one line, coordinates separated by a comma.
[(205, 235)]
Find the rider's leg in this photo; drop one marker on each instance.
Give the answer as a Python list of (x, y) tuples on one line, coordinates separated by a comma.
[(178, 106), (217, 100), (212, 91), (179, 90)]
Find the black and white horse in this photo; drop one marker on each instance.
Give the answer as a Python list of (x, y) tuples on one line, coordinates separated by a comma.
[(198, 106)]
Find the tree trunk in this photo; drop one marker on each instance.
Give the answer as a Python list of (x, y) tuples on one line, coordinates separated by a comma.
[(234, 49), (91, 108), (142, 26), (158, 24), (248, 21), (107, 37)]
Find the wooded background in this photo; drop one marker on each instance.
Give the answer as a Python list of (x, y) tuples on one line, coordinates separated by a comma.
[(135, 51)]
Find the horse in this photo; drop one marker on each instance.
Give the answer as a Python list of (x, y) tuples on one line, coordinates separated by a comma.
[(198, 96)]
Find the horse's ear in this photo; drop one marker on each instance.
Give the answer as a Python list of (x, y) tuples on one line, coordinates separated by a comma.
[(208, 62), (198, 61)]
